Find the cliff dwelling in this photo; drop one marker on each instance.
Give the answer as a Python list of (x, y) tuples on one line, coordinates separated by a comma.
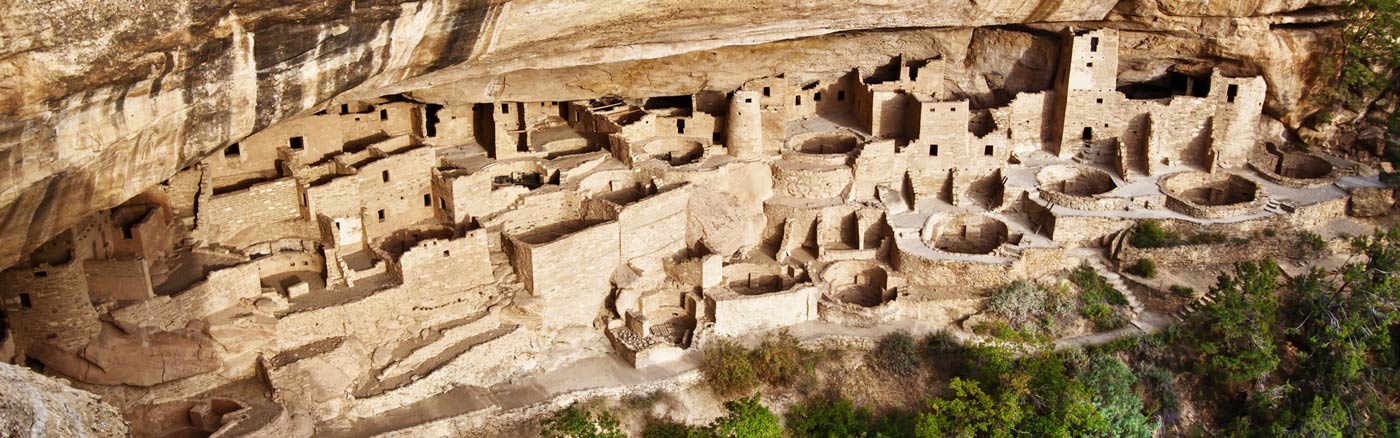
[(452, 255)]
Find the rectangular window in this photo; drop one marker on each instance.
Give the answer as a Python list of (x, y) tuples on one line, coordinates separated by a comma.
[(24, 302), (817, 97), (799, 100), (987, 150), (344, 108), (381, 215), (41, 274), (1091, 64), (933, 150), (383, 114), (1088, 134), (126, 233), (765, 92), (505, 108), (232, 151), (442, 203), (841, 95), (680, 126), (296, 143), (1094, 44), (1099, 100), (1231, 92), (385, 174), (749, 100), (428, 200)]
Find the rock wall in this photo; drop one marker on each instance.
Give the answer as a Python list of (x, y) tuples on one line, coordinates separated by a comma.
[(40, 406)]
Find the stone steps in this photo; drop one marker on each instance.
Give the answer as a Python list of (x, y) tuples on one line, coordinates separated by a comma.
[(1116, 281), (1195, 305)]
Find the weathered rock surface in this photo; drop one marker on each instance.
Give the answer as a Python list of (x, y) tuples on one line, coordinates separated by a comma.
[(32, 405), (99, 103)]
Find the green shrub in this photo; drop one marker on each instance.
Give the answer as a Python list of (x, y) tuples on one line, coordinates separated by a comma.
[(780, 360), (728, 370), (1094, 288), (1028, 307), (1121, 408), (830, 416), (1145, 268), (1003, 331), (747, 418), (1182, 291), (1103, 316), (1310, 245), (1150, 234), (896, 354), (657, 428), (575, 422)]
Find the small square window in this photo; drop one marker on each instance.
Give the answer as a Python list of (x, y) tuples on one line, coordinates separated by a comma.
[(1091, 64), (1099, 100), (987, 150), (817, 97), (446, 253), (296, 143), (232, 151)]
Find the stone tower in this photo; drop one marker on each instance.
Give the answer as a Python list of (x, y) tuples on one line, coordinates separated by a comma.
[(1085, 89), (745, 125)]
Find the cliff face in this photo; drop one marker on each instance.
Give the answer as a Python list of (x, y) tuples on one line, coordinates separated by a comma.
[(40, 406), (98, 103)]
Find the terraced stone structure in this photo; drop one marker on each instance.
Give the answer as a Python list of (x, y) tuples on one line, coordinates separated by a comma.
[(403, 261)]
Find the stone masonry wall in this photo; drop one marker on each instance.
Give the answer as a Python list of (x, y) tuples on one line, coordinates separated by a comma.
[(49, 304)]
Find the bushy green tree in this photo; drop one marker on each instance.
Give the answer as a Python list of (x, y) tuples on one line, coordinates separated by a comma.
[(746, 418), (829, 417), (1111, 383), (1236, 332), (970, 413)]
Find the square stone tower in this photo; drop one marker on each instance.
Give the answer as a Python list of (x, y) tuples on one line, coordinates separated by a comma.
[(1086, 99)]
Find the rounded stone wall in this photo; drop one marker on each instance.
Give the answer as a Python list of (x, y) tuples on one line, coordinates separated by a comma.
[(964, 233), (1075, 180), (676, 151), (1294, 169), (1211, 195), (1078, 187), (860, 282), (824, 143)]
